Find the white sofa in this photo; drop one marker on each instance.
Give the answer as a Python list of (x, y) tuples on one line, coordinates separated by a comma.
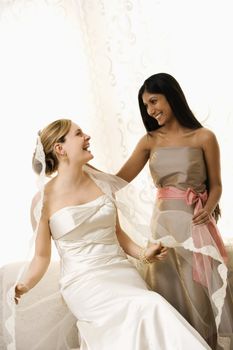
[(33, 318)]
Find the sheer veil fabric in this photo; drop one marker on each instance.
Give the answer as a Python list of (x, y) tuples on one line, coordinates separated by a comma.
[(10, 322), (134, 219)]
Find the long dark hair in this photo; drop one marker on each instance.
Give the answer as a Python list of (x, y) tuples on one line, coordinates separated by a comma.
[(165, 84)]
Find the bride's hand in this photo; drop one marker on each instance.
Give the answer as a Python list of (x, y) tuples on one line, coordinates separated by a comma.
[(156, 252), (20, 289)]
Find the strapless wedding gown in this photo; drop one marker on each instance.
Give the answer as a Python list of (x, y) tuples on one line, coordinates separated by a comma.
[(112, 304)]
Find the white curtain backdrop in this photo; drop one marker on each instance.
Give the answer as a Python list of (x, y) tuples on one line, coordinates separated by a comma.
[(86, 60)]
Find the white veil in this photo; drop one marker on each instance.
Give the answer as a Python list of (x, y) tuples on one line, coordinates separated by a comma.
[(10, 321), (135, 222)]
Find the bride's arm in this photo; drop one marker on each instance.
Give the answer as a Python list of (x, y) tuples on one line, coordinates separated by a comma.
[(40, 261), (150, 254)]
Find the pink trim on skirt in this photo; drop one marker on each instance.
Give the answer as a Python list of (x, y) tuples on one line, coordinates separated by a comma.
[(202, 264)]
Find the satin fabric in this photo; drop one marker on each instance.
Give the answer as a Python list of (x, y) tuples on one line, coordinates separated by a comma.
[(112, 304), (195, 291)]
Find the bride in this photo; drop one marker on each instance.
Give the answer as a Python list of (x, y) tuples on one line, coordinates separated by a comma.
[(102, 288)]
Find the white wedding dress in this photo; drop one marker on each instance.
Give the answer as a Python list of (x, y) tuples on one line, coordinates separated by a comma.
[(102, 288)]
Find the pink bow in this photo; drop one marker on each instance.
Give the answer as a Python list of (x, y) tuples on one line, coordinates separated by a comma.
[(193, 197)]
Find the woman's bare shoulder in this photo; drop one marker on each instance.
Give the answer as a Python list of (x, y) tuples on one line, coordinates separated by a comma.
[(148, 140), (206, 135), (46, 199)]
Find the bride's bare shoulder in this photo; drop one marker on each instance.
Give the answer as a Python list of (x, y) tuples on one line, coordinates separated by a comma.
[(35, 203)]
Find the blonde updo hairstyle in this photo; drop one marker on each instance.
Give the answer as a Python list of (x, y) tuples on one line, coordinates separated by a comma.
[(50, 135)]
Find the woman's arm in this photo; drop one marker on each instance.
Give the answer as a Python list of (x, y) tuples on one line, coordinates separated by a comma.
[(135, 163), (40, 261), (137, 160), (212, 159), (151, 253)]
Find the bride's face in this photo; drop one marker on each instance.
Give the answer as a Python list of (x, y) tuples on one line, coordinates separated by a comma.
[(77, 144)]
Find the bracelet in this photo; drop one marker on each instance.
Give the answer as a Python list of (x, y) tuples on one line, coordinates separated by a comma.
[(142, 256)]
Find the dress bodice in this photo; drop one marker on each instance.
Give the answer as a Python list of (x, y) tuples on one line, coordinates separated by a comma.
[(85, 235), (70, 222), (180, 167)]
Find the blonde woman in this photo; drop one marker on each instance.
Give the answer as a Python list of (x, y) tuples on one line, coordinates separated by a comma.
[(112, 304)]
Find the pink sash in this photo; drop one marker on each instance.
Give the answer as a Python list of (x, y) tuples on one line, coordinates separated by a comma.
[(202, 264)]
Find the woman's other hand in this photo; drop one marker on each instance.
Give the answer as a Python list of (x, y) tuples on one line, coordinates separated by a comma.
[(20, 289), (201, 217), (156, 251)]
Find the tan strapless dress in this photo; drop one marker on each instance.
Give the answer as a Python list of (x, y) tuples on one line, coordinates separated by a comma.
[(182, 168)]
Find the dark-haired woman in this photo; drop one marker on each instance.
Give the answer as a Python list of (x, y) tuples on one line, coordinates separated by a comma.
[(184, 163)]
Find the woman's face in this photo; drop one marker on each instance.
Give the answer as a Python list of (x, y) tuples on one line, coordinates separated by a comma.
[(76, 145), (157, 107)]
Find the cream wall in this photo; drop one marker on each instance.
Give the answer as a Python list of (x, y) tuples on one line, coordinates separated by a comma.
[(86, 60)]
